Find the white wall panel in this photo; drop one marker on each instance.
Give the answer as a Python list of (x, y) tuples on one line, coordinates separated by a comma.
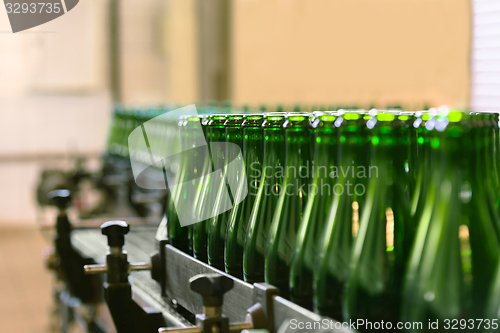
[(486, 55)]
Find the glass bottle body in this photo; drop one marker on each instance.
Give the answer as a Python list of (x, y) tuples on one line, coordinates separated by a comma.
[(231, 173), (342, 221), (253, 150), (265, 201), (456, 245), (373, 286), (310, 232), (290, 204)]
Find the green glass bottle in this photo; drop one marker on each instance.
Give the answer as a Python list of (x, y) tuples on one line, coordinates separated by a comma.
[(125, 115), (373, 286), (231, 174), (406, 141), (423, 123), (266, 199), (115, 128), (215, 134), (496, 145), (246, 108), (127, 122), (188, 171), (253, 150), (290, 205), (407, 133), (198, 232), (350, 174), (175, 234), (482, 211), (489, 135), (491, 178), (437, 239), (492, 304), (311, 227), (456, 244), (135, 118)]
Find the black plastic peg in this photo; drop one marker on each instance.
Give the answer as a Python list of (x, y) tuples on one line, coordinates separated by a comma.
[(115, 231), (70, 261), (211, 287), (60, 198)]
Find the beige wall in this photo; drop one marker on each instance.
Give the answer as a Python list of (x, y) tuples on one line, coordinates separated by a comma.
[(39, 125), (143, 59), (181, 49), (158, 51), (345, 51), (486, 56), (53, 78), (64, 55), (284, 51), (53, 100)]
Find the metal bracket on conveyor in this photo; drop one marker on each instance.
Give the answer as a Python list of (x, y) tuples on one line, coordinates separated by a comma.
[(212, 288), (262, 311), (128, 316), (65, 260), (258, 305)]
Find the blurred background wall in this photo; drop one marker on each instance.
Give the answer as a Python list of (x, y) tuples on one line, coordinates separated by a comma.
[(486, 55), (369, 52), (55, 96), (54, 100)]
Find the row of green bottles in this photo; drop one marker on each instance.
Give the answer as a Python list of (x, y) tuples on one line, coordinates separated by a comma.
[(124, 121), (125, 118), (379, 215)]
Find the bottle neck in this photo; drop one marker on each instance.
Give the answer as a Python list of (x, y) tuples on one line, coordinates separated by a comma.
[(383, 150), (389, 155), (234, 138), (406, 136), (217, 133), (452, 157), (274, 148), (253, 150), (297, 153), (484, 165), (217, 136), (351, 154), (234, 134), (424, 151), (325, 146)]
